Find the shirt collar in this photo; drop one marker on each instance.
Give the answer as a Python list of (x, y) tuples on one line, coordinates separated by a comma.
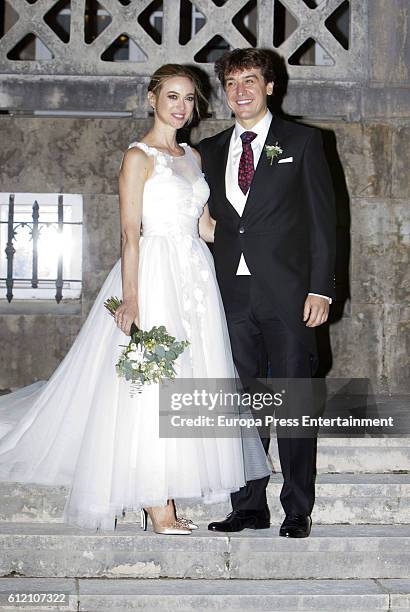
[(261, 128)]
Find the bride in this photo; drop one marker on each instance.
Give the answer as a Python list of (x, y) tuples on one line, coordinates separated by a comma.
[(82, 428)]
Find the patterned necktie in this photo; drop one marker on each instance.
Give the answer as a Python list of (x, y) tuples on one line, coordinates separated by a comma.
[(246, 169)]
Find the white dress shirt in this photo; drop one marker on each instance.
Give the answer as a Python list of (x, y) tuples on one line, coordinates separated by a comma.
[(234, 194)]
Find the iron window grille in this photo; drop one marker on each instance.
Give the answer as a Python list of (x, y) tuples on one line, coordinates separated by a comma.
[(41, 246)]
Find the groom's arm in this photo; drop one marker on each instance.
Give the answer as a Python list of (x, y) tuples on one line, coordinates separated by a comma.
[(319, 195)]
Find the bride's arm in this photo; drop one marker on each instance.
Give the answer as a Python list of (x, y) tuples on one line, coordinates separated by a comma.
[(206, 222), (133, 174)]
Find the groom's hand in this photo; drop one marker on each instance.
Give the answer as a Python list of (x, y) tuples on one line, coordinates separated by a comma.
[(316, 310)]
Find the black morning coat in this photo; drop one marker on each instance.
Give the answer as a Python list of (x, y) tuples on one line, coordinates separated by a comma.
[(287, 231)]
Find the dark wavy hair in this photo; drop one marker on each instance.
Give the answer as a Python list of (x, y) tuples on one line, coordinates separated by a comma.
[(244, 59)]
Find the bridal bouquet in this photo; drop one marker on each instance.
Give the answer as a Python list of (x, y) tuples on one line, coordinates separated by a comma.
[(150, 355)]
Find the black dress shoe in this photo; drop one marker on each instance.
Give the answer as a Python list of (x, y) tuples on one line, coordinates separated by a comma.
[(243, 519), (296, 526)]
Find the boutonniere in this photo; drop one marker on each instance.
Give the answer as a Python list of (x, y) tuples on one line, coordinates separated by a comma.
[(273, 151)]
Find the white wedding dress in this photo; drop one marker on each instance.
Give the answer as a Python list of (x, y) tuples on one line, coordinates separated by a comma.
[(82, 428)]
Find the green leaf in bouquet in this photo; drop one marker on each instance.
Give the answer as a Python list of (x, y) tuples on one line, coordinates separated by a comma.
[(160, 351)]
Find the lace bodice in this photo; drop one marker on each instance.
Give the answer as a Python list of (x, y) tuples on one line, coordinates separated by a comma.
[(174, 195)]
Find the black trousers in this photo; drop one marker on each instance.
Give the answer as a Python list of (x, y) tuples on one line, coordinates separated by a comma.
[(257, 336)]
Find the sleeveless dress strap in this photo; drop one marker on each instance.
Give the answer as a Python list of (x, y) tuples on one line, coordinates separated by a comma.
[(144, 147), (141, 145)]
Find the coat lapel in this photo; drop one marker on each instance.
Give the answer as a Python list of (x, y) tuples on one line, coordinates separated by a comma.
[(224, 161), (265, 172), (219, 162)]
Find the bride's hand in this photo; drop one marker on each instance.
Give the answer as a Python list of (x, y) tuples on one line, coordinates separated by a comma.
[(126, 314)]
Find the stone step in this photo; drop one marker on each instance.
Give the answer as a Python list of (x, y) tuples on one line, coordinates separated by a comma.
[(340, 498), (228, 595), (331, 552), (358, 455), (387, 442)]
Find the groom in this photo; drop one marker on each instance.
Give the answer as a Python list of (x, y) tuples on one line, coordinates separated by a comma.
[(274, 255)]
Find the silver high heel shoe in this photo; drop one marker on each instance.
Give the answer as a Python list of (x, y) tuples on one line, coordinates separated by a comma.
[(177, 527), (187, 522)]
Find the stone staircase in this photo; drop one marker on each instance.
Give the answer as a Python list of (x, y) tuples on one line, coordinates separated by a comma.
[(357, 558)]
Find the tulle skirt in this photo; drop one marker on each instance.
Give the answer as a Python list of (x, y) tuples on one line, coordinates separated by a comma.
[(82, 428)]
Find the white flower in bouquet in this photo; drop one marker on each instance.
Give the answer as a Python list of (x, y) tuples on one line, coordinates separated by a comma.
[(137, 353)]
